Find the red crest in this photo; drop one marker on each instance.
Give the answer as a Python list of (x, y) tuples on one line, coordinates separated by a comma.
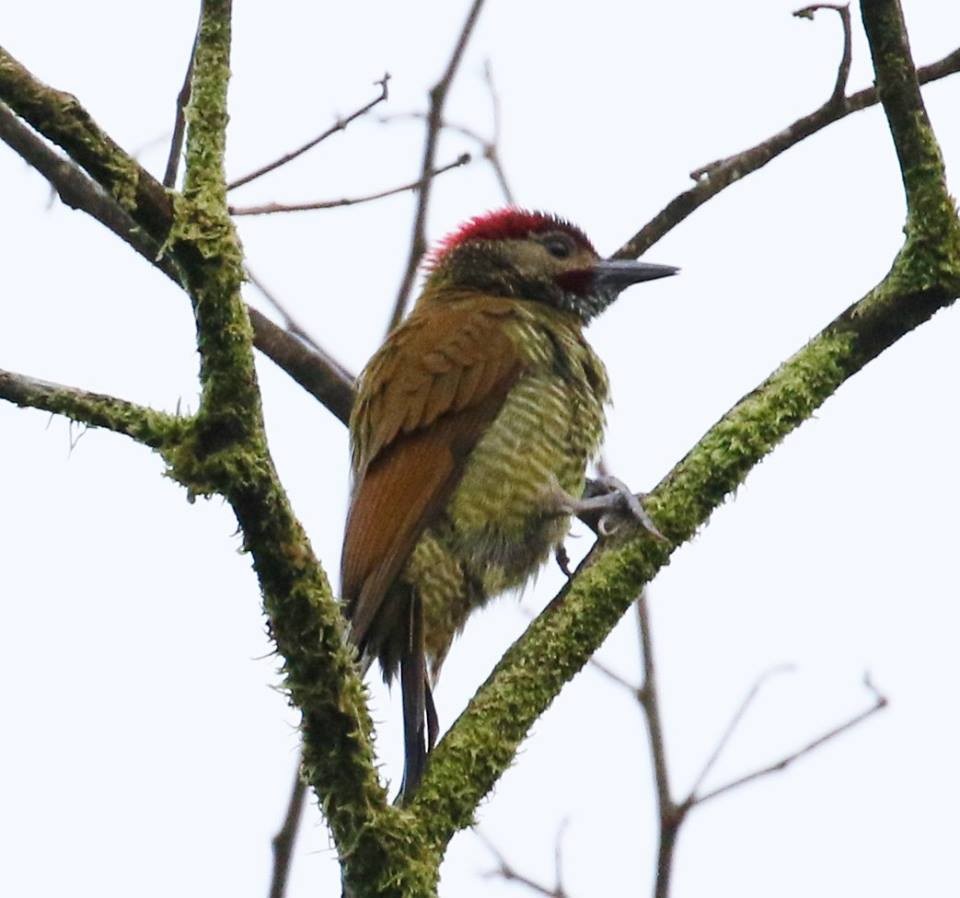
[(506, 224)]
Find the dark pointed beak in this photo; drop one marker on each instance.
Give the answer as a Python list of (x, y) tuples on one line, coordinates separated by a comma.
[(617, 274)]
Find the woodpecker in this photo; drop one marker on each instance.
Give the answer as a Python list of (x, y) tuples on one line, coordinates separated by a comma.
[(470, 436)]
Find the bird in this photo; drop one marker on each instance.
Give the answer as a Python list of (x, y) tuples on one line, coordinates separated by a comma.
[(471, 433)]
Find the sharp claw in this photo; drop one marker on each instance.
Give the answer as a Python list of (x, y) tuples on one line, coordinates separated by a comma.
[(608, 525), (563, 560), (632, 504)]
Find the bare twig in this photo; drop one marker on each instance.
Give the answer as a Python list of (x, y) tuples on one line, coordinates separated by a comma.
[(418, 184), (286, 836), (648, 697), (880, 702), (843, 70), (339, 125), (835, 102), (505, 870), (717, 176), (180, 120), (289, 322), (314, 369), (735, 722), (491, 149), (672, 815), (489, 146), (438, 96), (616, 678)]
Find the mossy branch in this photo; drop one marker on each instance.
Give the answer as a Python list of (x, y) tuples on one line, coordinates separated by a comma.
[(229, 455), (925, 277), (95, 185), (60, 118), (223, 448), (157, 430)]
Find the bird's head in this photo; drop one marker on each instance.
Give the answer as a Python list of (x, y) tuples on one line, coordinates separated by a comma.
[(533, 256)]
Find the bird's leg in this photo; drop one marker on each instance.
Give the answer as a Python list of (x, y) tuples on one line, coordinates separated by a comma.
[(604, 500), (563, 559)]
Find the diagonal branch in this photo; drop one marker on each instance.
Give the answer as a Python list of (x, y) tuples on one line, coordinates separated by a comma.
[(731, 728), (843, 70), (318, 373), (339, 125), (438, 96), (157, 430), (717, 176), (879, 703), (417, 184), (285, 838), (60, 118), (925, 277), (180, 121), (228, 455)]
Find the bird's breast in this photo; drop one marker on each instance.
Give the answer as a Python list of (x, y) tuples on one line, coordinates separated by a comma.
[(549, 427)]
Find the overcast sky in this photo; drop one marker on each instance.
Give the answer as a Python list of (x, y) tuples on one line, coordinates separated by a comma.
[(146, 750)]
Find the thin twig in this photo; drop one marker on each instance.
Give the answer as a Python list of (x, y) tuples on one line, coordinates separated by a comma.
[(322, 376), (491, 150), (283, 842), (146, 226), (670, 815), (843, 71), (180, 120), (880, 702), (735, 722), (650, 702), (834, 103), (506, 871), (417, 184), (438, 96), (339, 125), (312, 368), (717, 176), (289, 322), (489, 147), (615, 678)]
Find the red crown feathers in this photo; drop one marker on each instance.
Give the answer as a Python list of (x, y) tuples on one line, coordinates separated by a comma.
[(504, 224)]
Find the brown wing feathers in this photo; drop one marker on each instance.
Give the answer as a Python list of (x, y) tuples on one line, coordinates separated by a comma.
[(426, 399)]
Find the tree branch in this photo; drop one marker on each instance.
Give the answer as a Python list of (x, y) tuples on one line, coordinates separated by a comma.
[(489, 147), (60, 118), (717, 176), (438, 96), (732, 727), (313, 369), (273, 208), (506, 871), (339, 125), (925, 278), (180, 121), (880, 702), (228, 455), (157, 430), (286, 836), (843, 70)]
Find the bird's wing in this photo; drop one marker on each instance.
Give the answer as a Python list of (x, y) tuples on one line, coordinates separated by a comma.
[(426, 398)]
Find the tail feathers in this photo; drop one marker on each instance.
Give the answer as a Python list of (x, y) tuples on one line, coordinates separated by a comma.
[(419, 714)]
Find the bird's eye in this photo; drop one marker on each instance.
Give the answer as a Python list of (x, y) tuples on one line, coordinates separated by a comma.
[(558, 247)]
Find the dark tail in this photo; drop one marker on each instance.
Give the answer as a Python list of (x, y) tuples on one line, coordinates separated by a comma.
[(419, 713)]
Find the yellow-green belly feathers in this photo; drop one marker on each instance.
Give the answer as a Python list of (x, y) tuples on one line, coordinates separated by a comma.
[(495, 531)]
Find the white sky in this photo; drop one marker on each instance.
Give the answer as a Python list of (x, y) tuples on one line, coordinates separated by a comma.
[(145, 750)]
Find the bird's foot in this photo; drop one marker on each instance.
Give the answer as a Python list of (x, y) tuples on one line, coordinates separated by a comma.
[(606, 501)]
